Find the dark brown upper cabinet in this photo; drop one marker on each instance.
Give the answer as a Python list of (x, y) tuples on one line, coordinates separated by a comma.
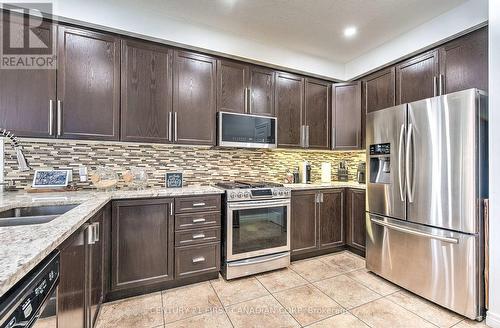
[(346, 118), (232, 86), (379, 90), (417, 78), (317, 113), (244, 88), (194, 100), (261, 91), (142, 243), (463, 63), (88, 85), (146, 92), (290, 109), (28, 96)]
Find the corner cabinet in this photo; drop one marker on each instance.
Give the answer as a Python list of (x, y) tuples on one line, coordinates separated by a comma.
[(346, 118), (317, 222), (356, 219), (142, 247), (80, 291)]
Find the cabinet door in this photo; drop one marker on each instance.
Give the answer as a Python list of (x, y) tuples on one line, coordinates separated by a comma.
[(317, 113), (416, 78), (289, 109), (379, 90), (304, 233), (232, 83), (142, 243), (146, 92), (261, 91), (356, 224), (95, 267), (194, 98), (463, 63), (71, 311), (26, 94), (331, 218), (88, 85), (346, 122)]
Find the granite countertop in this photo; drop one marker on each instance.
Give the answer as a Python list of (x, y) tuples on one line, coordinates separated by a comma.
[(23, 247), (333, 184)]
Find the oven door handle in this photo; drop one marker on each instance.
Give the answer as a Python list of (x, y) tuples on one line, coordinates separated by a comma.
[(256, 261), (257, 204)]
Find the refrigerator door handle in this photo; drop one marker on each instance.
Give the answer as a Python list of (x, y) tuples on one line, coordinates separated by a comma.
[(400, 152), (409, 186), (414, 232)]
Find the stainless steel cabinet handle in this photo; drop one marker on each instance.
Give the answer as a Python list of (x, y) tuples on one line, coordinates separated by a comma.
[(302, 142), (199, 220), (321, 198), (51, 117), (96, 231), (199, 259), (175, 126), (333, 138), (249, 97), (306, 133), (170, 127), (435, 85), (59, 118), (414, 232), (90, 234), (199, 236), (245, 99), (400, 153), (172, 208), (199, 204), (441, 84), (409, 186)]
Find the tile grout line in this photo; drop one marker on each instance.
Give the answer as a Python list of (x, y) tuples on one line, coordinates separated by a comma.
[(418, 315), (280, 302), (223, 307)]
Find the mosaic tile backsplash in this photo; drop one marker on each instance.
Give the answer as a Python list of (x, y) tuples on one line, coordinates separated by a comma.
[(200, 165)]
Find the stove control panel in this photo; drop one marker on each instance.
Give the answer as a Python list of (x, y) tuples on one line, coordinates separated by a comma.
[(258, 193)]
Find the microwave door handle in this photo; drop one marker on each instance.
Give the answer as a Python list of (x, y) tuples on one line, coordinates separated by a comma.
[(400, 160)]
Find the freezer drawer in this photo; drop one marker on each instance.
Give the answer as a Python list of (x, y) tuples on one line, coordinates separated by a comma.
[(442, 266)]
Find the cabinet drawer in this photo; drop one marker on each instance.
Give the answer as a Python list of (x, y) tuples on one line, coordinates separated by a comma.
[(197, 236), (194, 260), (196, 220), (197, 204)]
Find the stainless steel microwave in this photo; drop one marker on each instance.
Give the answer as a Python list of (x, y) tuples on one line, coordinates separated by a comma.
[(246, 130)]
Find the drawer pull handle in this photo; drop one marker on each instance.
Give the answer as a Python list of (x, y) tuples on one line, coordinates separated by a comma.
[(199, 220), (198, 204), (199, 236), (199, 259)]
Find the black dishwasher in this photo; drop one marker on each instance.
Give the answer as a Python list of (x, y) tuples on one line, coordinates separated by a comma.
[(31, 303)]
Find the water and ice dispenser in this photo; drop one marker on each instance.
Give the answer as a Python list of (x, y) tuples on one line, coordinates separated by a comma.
[(380, 163)]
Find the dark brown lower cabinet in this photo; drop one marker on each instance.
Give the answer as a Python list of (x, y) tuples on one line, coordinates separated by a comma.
[(142, 244), (356, 219), (317, 221), (80, 290)]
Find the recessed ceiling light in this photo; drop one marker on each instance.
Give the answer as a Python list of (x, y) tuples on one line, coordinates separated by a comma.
[(350, 31)]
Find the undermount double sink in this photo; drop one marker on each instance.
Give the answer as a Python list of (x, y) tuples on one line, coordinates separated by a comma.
[(33, 215)]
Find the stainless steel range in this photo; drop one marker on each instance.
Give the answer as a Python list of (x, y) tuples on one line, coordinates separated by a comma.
[(256, 233)]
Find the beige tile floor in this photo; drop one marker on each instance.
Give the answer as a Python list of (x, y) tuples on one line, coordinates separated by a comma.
[(325, 292)]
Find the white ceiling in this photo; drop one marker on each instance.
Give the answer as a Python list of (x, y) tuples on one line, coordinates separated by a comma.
[(313, 27)]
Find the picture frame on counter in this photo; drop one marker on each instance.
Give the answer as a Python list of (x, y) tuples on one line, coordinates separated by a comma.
[(173, 180), (51, 178)]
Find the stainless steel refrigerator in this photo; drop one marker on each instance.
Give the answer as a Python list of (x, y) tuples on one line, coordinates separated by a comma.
[(427, 177)]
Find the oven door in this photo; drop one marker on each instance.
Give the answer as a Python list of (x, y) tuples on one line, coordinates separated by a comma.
[(257, 228)]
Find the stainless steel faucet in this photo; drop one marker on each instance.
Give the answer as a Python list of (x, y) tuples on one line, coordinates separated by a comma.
[(21, 160)]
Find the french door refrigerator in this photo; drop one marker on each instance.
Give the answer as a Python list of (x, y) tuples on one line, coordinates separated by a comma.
[(427, 177)]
